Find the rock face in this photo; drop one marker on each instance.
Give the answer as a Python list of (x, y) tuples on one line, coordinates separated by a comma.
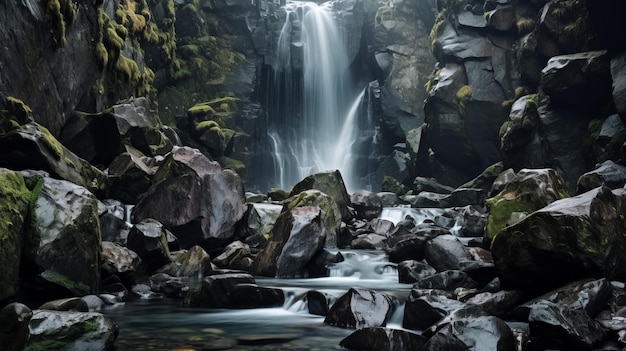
[(64, 241), (296, 237), (570, 239), (205, 201)]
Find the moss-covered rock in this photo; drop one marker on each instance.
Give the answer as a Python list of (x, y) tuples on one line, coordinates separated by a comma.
[(530, 190), (329, 212), (330, 183), (392, 185), (570, 239), (609, 174), (14, 203)]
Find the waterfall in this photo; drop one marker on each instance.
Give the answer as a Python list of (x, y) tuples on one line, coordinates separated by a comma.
[(314, 111)]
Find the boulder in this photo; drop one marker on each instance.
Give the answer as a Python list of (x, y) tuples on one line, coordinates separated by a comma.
[(149, 240), (329, 212), (204, 201), (113, 227), (570, 239), (72, 304), (259, 221), (32, 146), (254, 296), (618, 76), (412, 271), (14, 319), (121, 261), (360, 308), (447, 280), (474, 221), (370, 241), (296, 237), (63, 245), (555, 326), (70, 331), (92, 137), (382, 339), (499, 303), (445, 252), (318, 302), (424, 310), (530, 190), (14, 203), (130, 175), (236, 255), (214, 291), (193, 262), (366, 204), (607, 174), (331, 184)]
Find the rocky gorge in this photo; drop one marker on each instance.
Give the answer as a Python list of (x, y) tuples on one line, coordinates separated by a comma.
[(138, 163)]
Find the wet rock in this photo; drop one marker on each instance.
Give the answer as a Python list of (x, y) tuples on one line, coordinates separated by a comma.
[(556, 326), (254, 296), (587, 295), (236, 255), (444, 252), (530, 190), (64, 243), (32, 146), (331, 184), (423, 310), (259, 221), (14, 201), (329, 212), (389, 199), (369, 241), (71, 331), (480, 271), (447, 280), (73, 304), (382, 226), (408, 244), (467, 329), (429, 184), (215, 290), (360, 308), (113, 228), (130, 175), (192, 263), (147, 239), (366, 204), (296, 237), (502, 18), (120, 261), (319, 265), (570, 239), (14, 319), (608, 174), (205, 202), (412, 271), (94, 303), (474, 221), (619, 83), (498, 303), (318, 302), (383, 339)]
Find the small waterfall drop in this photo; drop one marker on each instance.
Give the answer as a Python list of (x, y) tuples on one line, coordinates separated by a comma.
[(314, 114)]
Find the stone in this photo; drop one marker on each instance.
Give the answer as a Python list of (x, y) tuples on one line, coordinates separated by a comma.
[(205, 202), (296, 237), (474, 221), (371, 241), (366, 204), (331, 184), (148, 239), (318, 302), (412, 271), (14, 203), (447, 280), (254, 296), (329, 212), (445, 252), (609, 174), (429, 184), (14, 319), (499, 303), (568, 240), (121, 261), (530, 190), (71, 331), (422, 311), (130, 175), (383, 339), (214, 291), (236, 255), (360, 308), (72, 304), (618, 76), (193, 262), (64, 242)]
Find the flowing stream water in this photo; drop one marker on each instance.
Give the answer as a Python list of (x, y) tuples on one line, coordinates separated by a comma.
[(313, 122), (164, 324)]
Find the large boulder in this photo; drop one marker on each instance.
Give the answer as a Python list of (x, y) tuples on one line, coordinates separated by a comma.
[(14, 319), (14, 202), (530, 190), (329, 212), (63, 244), (203, 201), (214, 291), (120, 261), (360, 308), (382, 339), (570, 239), (422, 309), (330, 183), (149, 239), (367, 204), (296, 237), (130, 175), (446, 252), (60, 330)]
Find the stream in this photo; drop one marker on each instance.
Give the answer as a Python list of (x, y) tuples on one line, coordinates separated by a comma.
[(164, 324)]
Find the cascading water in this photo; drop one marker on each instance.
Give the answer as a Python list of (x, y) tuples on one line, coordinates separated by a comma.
[(312, 123)]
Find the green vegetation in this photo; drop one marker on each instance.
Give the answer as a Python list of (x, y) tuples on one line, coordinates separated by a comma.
[(384, 13), (50, 141), (463, 95), (525, 25), (60, 13)]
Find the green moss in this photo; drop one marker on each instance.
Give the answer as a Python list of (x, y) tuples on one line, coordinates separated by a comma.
[(206, 125), (75, 287), (463, 95), (200, 110), (102, 55), (45, 345), (189, 51), (17, 109), (233, 164), (128, 69), (384, 13), (112, 40), (51, 142), (437, 26), (525, 25)]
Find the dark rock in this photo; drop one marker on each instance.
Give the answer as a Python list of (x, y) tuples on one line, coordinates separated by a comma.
[(319, 264), (63, 247), (318, 302), (329, 212), (205, 201), (369, 241), (498, 304), (458, 198), (447, 280), (215, 290), (366, 204), (422, 311), (570, 239), (92, 137), (174, 289), (121, 261), (296, 237), (412, 271), (445, 252), (331, 184), (194, 262), (71, 330), (429, 184), (389, 199), (360, 308), (113, 228), (474, 221), (130, 175), (556, 326), (480, 271), (259, 220), (94, 303), (502, 18), (73, 304), (587, 295), (383, 339), (254, 296), (607, 174), (618, 76), (14, 319), (236, 255), (392, 185), (406, 247), (147, 239)]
